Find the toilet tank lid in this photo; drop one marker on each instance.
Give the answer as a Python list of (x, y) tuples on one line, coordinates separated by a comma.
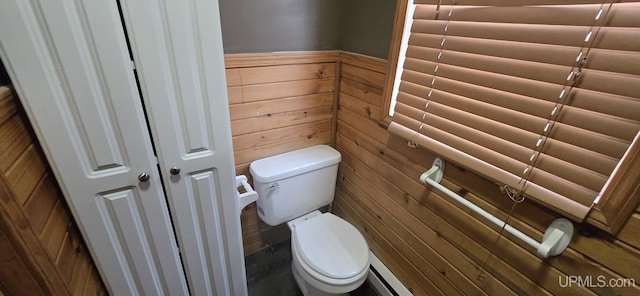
[(293, 163)]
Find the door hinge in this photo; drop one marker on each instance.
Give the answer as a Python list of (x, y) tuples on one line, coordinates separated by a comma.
[(133, 65)]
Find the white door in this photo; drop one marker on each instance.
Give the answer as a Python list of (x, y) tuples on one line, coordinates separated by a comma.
[(70, 64), (177, 45)]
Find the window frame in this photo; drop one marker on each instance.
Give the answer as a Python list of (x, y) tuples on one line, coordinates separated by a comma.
[(609, 214)]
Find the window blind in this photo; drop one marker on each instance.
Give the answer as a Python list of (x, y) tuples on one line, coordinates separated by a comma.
[(542, 96)]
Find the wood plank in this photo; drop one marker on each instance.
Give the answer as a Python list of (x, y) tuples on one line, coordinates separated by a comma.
[(476, 249), (360, 107), (243, 169), (362, 75), (279, 58), (482, 233), (15, 140), (613, 256), (416, 250), (15, 275), (278, 136), (55, 230), (25, 173), (16, 227), (41, 203), (277, 120), (253, 246), (397, 160), (336, 99), (32, 197), (94, 285), (79, 276), (361, 91), (362, 61), (583, 268), (249, 226), (235, 94), (251, 238), (233, 77), (259, 92), (249, 229), (247, 217), (282, 73), (527, 215), (404, 269), (66, 258), (8, 106), (629, 232), (268, 107), (450, 262), (249, 155)]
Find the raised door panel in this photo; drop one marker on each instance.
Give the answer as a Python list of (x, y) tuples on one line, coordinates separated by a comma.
[(177, 46), (71, 67)]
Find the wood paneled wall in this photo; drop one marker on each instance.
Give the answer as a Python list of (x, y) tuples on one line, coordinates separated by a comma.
[(41, 251), (278, 103), (436, 247)]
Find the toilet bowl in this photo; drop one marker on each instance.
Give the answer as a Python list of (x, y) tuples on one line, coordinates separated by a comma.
[(330, 256)]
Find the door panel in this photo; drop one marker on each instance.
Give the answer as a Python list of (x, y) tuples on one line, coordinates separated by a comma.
[(177, 45), (121, 214), (204, 189), (90, 113), (71, 67)]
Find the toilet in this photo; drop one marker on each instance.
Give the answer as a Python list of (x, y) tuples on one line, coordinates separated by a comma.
[(330, 256)]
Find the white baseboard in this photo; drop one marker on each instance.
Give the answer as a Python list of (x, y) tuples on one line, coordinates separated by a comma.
[(387, 277)]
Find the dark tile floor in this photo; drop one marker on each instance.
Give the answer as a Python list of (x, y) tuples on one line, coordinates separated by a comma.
[(269, 273)]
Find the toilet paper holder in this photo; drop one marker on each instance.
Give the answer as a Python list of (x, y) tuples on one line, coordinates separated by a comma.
[(248, 196)]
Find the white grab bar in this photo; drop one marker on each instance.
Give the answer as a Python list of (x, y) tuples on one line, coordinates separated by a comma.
[(555, 240)]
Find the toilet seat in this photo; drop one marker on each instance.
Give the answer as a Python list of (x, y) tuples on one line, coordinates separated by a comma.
[(330, 249)]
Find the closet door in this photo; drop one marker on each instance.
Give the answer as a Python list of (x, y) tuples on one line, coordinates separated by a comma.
[(177, 46), (71, 67)]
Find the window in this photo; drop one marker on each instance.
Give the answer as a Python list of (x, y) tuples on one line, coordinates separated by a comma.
[(542, 96)]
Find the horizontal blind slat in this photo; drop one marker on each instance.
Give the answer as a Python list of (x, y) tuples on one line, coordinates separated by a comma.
[(508, 100), (614, 38), (453, 128), (561, 204), (547, 15), (483, 124), (522, 124), (542, 34), (579, 156), (611, 83), (623, 107), (410, 117), (516, 85), (504, 66), (558, 13), (617, 127), (512, 2), (618, 61), (535, 52), (492, 71)]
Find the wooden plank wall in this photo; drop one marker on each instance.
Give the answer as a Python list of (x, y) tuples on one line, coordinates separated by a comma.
[(436, 247), (41, 251), (278, 103)]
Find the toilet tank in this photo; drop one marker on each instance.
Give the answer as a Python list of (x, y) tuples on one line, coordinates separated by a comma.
[(292, 184)]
